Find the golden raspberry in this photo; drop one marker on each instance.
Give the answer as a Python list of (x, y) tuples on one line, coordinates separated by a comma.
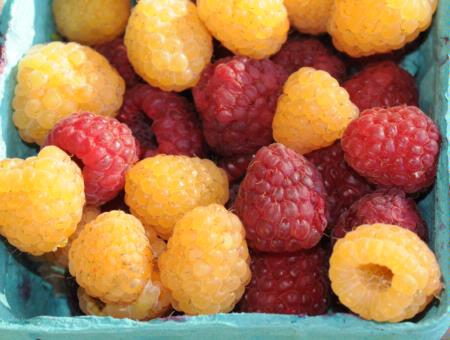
[(91, 21), (158, 245), (309, 16), (312, 112), (112, 258), (41, 200), (167, 43), (384, 273), (57, 79), (366, 27), (160, 190), (253, 28), (61, 256), (206, 264)]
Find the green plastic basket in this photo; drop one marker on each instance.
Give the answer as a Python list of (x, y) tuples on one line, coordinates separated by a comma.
[(31, 309)]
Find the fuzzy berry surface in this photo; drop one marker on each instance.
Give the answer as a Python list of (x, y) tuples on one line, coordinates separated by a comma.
[(382, 84), (116, 53), (343, 184), (236, 98), (310, 52), (384, 206), (393, 147), (162, 122), (105, 148), (282, 201), (288, 283)]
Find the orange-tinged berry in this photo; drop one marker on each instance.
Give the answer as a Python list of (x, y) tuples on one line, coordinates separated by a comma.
[(384, 273), (206, 264), (167, 43), (57, 79), (111, 258), (309, 16), (41, 200), (386, 25), (312, 112), (253, 28), (160, 190), (91, 21)]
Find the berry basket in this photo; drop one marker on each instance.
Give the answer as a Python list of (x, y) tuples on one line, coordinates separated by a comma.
[(31, 309)]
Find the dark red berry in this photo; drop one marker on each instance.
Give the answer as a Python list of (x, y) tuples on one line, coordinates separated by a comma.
[(235, 166)]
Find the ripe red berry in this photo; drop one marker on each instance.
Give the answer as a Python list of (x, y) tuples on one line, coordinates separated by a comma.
[(343, 184), (310, 52), (235, 166), (236, 98), (288, 283), (393, 147), (281, 201), (104, 148), (383, 84), (385, 206), (163, 122)]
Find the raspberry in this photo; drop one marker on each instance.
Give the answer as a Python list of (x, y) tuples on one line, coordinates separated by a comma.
[(383, 84), (56, 80), (42, 200), (343, 185), (206, 265), (236, 98), (162, 122), (111, 258), (161, 189), (312, 112), (288, 283), (167, 44), (309, 16), (116, 53), (253, 28), (385, 206), (298, 53), (235, 166), (61, 256), (387, 25), (105, 147), (384, 273), (153, 302), (393, 147), (91, 21), (281, 201)]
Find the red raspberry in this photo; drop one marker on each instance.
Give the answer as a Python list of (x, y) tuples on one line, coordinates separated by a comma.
[(173, 122), (116, 53), (288, 283), (393, 147), (385, 206), (383, 84), (104, 147), (236, 98), (281, 201), (235, 166), (297, 53), (343, 185)]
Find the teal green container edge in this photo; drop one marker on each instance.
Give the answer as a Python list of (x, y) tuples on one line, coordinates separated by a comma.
[(25, 297)]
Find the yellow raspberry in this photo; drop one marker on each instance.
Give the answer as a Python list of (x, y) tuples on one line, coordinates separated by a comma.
[(57, 79), (366, 27), (160, 190), (384, 273), (91, 21), (253, 28), (41, 200), (167, 43), (309, 16), (61, 256), (206, 264), (158, 245), (111, 258), (312, 112)]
